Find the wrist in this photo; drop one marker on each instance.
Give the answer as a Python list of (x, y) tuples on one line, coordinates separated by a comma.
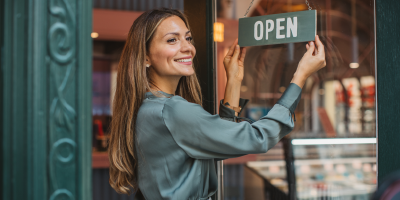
[(232, 92), (300, 75), (299, 79), (233, 81)]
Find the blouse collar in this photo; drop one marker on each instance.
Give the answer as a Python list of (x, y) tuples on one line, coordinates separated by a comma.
[(151, 95)]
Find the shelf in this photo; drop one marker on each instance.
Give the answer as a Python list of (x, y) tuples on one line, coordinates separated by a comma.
[(263, 164)]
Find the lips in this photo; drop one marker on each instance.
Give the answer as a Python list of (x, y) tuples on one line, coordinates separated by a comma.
[(185, 60)]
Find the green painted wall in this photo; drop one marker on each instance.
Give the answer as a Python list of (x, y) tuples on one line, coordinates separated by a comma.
[(46, 99), (388, 86)]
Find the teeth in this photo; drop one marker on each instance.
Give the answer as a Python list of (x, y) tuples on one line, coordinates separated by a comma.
[(184, 60)]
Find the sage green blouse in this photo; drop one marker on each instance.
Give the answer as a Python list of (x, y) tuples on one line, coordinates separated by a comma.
[(177, 142)]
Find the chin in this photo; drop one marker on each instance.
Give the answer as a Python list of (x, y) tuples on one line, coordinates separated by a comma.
[(187, 72)]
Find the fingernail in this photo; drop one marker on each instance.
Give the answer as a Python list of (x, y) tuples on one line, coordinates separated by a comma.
[(237, 46), (312, 43)]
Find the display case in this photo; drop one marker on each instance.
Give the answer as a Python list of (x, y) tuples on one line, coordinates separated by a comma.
[(342, 171)]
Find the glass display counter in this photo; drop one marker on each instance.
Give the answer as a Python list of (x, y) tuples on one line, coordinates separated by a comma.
[(324, 171)]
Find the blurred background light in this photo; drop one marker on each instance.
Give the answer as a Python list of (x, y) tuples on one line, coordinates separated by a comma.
[(94, 35), (354, 65), (218, 32)]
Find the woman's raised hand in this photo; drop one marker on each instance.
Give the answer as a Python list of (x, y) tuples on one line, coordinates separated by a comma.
[(233, 62), (312, 61)]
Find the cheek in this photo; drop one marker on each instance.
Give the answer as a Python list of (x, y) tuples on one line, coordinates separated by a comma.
[(163, 56)]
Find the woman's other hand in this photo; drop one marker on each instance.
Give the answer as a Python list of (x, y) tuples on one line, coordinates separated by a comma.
[(233, 62), (312, 61)]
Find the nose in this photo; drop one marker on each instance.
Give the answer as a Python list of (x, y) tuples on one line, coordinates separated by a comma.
[(187, 46)]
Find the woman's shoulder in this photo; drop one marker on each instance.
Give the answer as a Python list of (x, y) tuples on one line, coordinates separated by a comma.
[(175, 107), (179, 103), (176, 103), (151, 108), (179, 108)]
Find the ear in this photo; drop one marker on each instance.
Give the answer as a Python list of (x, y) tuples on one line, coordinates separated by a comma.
[(148, 60)]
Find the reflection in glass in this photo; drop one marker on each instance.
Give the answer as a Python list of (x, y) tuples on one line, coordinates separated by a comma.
[(337, 102)]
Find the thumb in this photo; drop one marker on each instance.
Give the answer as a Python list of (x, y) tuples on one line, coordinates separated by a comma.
[(236, 53), (311, 48)]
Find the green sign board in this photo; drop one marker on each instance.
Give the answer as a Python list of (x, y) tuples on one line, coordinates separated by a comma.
[(278, 28)]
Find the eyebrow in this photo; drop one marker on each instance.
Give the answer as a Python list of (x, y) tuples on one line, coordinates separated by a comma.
[(175, 33)]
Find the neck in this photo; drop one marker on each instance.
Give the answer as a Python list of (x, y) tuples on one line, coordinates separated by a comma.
[(167, 84)]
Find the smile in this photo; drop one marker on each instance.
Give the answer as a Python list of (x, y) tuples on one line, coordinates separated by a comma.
[(184, 60)]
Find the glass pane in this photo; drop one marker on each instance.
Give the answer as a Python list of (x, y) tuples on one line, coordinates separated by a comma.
[(333, 143)]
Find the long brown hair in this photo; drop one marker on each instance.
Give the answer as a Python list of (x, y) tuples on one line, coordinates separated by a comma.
[(132, 83)]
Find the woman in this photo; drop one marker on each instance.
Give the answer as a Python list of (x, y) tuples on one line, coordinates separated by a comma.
[(162, 141)]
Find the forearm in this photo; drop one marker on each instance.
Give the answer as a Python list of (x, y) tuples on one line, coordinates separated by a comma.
[(232, 92), (299, 79)]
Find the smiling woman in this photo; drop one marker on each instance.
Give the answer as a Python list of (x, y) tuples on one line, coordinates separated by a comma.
[(145, 65), (163, 143), (170, 54)]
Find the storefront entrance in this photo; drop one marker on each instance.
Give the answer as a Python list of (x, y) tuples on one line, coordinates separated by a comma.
[(54, 99)]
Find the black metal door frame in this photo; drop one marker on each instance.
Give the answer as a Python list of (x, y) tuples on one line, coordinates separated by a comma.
[(202, 15)]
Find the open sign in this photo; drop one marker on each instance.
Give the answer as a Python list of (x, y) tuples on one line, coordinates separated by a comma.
[(278, 28)]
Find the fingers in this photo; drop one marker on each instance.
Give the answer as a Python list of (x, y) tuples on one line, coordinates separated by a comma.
[(232, 48), (236, 53), (243, 54), (311, 48), (320, 46), (307, 46), (315, 49), (321, 50)]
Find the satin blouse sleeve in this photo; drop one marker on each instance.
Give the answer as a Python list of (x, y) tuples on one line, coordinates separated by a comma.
[(205, 136)]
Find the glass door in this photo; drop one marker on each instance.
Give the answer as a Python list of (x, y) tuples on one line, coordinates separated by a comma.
[(331, 153)]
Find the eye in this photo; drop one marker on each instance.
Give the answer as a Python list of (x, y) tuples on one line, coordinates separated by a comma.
[(189, 39), (171, 40)]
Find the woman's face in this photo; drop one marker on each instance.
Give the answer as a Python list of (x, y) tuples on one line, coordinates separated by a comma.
[(171, 50)]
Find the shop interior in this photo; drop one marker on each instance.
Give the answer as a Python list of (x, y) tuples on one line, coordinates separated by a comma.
[(331, 153)]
